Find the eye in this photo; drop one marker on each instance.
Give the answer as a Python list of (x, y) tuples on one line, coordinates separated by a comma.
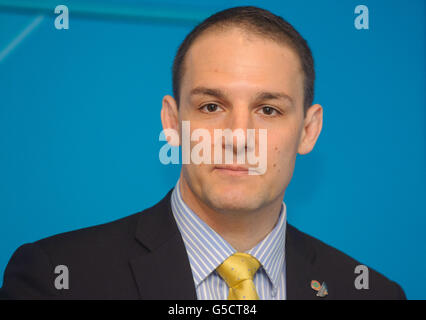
[(269, 111), (210, 108)]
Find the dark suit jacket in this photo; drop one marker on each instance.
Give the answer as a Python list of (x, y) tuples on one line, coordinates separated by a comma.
[(143, 256)]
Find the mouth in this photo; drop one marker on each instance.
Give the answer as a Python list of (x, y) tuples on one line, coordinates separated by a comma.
[(232, 170)]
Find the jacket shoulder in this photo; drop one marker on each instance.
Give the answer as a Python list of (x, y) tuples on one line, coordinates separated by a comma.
[(108, 236), (105, 235), (90, 255), (97, 259), (345, 277)]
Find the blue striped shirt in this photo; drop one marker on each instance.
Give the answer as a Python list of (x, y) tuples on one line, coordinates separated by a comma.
[(206, 250)]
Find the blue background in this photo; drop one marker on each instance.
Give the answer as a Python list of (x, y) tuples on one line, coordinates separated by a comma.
[(80, 119)]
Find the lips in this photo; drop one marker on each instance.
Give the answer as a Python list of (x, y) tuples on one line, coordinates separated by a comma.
[(232, 169)]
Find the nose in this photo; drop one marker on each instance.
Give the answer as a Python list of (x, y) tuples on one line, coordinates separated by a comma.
[(239, 120)]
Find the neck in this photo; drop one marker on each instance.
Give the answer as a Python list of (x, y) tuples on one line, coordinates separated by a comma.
[(242, 229)]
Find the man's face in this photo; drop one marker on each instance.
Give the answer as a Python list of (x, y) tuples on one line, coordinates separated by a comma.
[(261, 87)]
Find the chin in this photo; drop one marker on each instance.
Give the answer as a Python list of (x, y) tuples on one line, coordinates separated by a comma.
[(228, 199)]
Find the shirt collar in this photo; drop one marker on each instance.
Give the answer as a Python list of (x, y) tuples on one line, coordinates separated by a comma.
[(207, 249), (270, 251)]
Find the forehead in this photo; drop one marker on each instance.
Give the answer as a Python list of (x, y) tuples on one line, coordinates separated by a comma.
[(234, 58)]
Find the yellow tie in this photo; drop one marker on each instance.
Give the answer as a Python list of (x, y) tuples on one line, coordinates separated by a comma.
[(238, 272)]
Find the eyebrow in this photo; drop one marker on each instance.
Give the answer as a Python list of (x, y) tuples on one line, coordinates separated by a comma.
[(263, 95)]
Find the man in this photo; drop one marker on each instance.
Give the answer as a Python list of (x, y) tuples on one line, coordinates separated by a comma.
[(221, 233)]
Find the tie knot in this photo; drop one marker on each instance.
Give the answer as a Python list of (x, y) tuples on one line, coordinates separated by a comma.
[(238, 267)]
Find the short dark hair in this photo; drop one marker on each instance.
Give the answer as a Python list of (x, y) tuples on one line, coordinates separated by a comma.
[(260, 22)]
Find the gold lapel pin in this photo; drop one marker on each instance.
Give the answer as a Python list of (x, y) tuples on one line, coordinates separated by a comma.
[(320, 288)]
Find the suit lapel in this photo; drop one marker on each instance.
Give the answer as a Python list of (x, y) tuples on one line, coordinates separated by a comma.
[(300, 270), (163, 272)]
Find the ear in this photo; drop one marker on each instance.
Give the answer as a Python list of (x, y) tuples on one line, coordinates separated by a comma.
[(170, 120), (311, 130)]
